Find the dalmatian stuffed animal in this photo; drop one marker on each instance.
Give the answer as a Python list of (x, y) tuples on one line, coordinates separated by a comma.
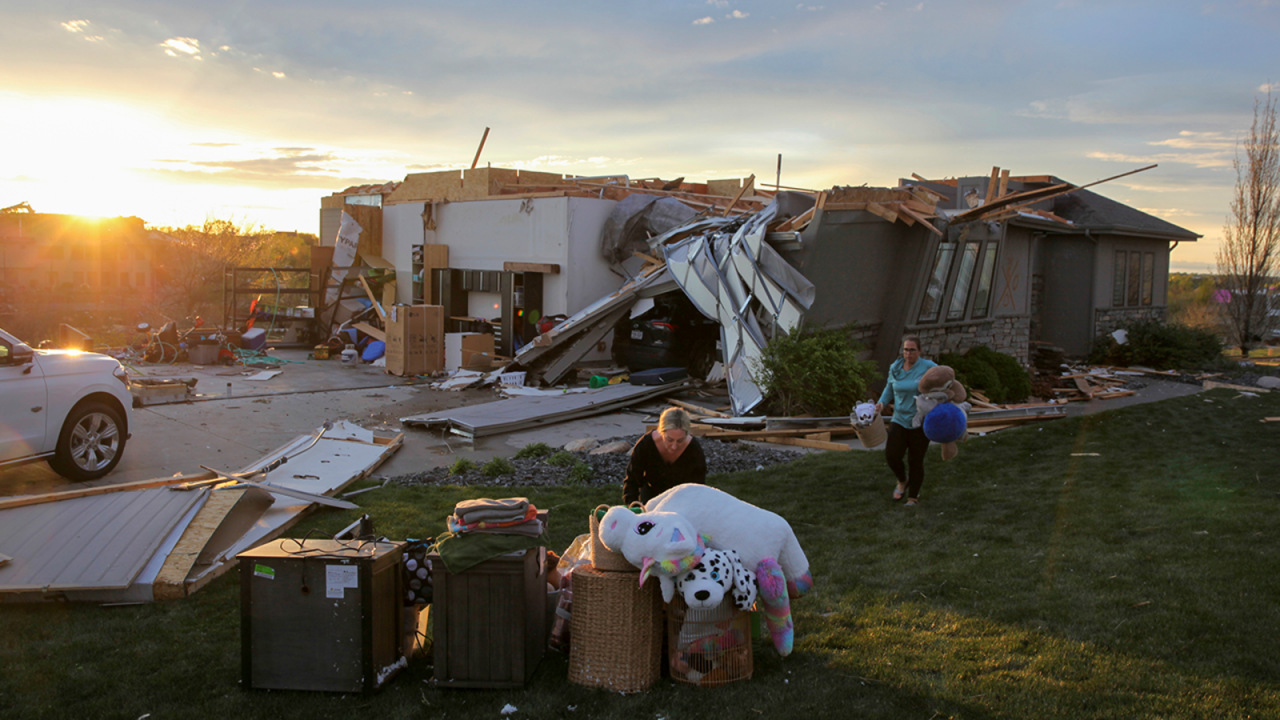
[(719, 572), (663, 541)]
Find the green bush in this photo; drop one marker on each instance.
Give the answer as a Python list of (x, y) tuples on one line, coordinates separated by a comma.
[(580, 474), (815, 371), (461, 465), (1158, 345), (534, 450), (497, 466), (563, 458), (1000, 377)]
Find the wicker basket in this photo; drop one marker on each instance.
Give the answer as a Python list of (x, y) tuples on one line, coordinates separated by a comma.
[(874, 434), (615, 631), (602, 558), (709, 647)]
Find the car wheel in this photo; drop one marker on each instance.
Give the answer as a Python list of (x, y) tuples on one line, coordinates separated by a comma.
[(91, 443)]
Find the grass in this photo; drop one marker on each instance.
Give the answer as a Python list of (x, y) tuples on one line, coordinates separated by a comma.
[(1118, 565)]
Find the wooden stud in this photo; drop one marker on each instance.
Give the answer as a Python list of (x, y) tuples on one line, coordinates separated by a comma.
[(1004, 183), (991, 185), (879, 210), (751, 180)]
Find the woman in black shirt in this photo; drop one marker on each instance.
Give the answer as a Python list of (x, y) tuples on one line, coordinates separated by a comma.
[(664, 458)]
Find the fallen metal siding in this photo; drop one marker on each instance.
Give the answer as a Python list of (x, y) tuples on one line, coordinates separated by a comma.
[(100, 541)]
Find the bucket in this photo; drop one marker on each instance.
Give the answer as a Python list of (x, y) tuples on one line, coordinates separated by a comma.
[(602, 558), (203, 354), (872, 435)]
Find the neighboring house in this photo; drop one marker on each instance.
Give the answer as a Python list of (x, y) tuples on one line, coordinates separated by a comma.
[(67, 263), (1063, 270)]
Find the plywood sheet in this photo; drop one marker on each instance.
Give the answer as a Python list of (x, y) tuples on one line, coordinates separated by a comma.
[(93, 542)]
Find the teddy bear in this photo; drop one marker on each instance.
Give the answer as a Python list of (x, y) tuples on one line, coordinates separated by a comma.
[(679, 526), (941, 409)]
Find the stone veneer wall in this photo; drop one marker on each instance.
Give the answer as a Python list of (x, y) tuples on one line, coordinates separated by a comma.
[(1107, 320), (1009, 334)]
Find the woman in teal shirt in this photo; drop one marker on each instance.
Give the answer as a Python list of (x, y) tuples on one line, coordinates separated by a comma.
[(900, 393)]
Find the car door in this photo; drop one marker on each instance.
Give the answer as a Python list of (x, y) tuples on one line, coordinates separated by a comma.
[(24, 411)]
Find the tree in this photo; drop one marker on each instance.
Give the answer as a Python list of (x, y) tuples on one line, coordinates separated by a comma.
[(1249, 256), (192, 269)]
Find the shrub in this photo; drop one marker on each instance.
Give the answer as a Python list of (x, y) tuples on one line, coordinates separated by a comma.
[(562, 458), (1000, 377), (497, 466), (534, 450), (1161, 346), (815, 371), (580, 474), (461, 465)]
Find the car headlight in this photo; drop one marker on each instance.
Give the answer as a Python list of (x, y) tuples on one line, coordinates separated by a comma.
[(121, 374)]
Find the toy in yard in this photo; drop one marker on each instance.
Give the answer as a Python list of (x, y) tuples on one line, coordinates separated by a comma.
[(663, 541), (710, 633), (941, 409), (869, 424)]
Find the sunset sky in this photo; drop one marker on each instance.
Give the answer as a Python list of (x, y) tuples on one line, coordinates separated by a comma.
[(176, 110)]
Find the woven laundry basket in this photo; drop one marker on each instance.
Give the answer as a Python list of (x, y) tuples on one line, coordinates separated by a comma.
[(872, 435), (602, 558), (615, 631), (710, 647)]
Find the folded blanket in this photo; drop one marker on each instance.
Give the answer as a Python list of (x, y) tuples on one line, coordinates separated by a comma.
[(532, 528), (470, 511), (459, 525), (462, 552)]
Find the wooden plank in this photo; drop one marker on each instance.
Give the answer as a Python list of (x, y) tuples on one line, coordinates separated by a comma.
[(879, 210), (909, 211), (1116, 394), (697, 408), (917, 177), (834, 206), (371, 331), (751, 179), (648, 258), (1214, 384), (1084, 387), (377, 306), (991, 186), (23, 500), (820, 437), (1004, 183), (900, 214), (815, 444), (801, 220), (546, 268)]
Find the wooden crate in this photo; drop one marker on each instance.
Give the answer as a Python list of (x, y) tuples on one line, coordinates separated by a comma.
[(490, 621)]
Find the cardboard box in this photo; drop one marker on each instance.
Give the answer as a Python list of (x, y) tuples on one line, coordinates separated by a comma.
[(468, 350), (414, 335)]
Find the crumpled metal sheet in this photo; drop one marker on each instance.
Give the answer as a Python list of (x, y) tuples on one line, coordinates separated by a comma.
[(732, 276), (635, 219)]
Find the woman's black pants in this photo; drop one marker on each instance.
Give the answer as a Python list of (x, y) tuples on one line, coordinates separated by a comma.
[(912, 443)]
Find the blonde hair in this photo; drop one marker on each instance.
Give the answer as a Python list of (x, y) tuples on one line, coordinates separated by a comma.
[(674, 418)]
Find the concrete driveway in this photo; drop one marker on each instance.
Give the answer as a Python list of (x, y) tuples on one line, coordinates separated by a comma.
[(234, 420)]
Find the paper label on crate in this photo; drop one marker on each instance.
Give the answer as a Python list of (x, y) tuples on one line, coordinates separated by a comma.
[(263, 571), (340, 577)]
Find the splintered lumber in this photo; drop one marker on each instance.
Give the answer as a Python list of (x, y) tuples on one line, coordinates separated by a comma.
[(23, 500), (1114, 394), (742, 191), (170, 582), (1084, 386), (1213, 384), (371, 331), (991, 186), (804, 442), (797, 222), (907, 210), (697, 408)]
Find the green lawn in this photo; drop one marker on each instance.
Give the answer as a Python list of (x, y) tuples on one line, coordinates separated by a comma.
[(1120, 565)]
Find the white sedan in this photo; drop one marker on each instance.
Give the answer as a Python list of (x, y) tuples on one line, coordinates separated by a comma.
[(67, 407)]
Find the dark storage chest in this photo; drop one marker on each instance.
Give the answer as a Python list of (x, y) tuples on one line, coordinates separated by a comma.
[(490, 621), (321, 615)]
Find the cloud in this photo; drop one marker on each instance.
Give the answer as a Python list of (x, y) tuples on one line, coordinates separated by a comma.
[(75, 26), (1268, 87), (813, 8), (215, 144), (737, 15), (718, 3), (1199, 160), (1188, 140), (704, 21), (189, 46)]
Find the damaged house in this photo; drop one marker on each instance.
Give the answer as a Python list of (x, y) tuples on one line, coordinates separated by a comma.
[(997, 261)]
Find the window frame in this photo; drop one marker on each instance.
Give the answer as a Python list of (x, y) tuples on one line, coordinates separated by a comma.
[(950, 285)]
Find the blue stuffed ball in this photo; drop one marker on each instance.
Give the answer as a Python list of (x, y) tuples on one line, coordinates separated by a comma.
[(945, 423)]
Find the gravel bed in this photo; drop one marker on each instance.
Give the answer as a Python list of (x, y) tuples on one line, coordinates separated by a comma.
[(609, 468)]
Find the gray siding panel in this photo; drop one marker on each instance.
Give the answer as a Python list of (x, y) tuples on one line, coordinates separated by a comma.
[(98, 542)]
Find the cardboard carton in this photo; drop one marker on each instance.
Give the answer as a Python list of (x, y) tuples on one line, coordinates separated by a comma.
[(414, 335)]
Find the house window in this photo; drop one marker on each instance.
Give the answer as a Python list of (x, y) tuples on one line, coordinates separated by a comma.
[(937, 282), (960, 292), (1148, 276), (1135, 276), (982, 296), (1117, 286)]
